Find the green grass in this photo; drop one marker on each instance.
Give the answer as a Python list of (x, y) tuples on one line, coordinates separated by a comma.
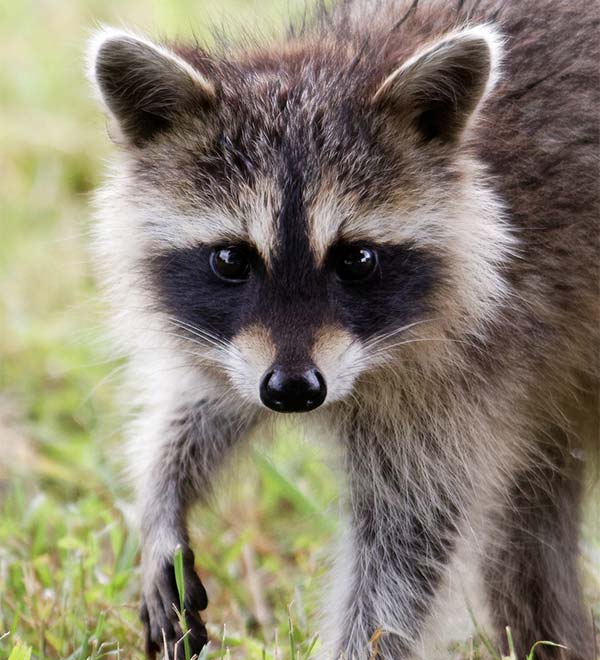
[(68, 557), (68, 573)]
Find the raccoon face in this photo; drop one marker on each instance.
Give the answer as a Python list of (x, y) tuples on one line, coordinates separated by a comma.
[(293, 218)]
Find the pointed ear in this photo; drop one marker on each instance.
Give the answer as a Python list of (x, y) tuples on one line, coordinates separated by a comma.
[(144, 86), (438, 89)]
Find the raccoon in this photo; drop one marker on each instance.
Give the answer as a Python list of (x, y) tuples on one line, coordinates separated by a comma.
[(386, 220)]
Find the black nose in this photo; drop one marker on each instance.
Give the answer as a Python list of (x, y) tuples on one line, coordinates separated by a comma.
[(293, 391)]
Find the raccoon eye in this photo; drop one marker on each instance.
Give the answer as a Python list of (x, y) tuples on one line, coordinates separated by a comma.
[(230, 264), (355, 264)]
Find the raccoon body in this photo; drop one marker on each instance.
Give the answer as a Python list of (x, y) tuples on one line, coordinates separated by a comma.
[(387, 221)]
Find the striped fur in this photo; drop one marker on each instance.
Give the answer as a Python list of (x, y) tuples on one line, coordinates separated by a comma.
[(459, 141)]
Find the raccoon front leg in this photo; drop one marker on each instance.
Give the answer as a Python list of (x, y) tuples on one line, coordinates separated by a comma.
[(405, 514), (187, 446), (532, 570)]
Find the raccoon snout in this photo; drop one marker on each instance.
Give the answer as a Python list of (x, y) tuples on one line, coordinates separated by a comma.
[(290, 391)]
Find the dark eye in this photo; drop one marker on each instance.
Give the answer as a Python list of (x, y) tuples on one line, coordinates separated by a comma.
[(230, 263), (354, 264)]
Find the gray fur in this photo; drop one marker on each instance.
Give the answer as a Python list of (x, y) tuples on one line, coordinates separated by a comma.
[(461, 139)]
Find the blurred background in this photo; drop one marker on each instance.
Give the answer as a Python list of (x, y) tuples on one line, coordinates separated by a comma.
[(68, 576)]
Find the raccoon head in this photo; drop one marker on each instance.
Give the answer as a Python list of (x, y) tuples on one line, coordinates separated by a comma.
[(294, 215)]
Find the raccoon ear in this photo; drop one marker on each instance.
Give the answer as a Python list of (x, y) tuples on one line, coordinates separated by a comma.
[(144, 86), (438, 89)]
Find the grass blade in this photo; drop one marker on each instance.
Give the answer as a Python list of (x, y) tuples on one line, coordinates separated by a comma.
[(180, 582), (531, 655), (20, 652)]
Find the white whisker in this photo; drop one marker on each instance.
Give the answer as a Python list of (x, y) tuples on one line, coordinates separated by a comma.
[(378, 339)]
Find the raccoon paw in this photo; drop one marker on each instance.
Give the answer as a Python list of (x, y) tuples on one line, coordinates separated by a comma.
[(159, 613)]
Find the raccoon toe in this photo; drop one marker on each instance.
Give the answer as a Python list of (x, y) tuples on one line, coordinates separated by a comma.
[(160, 625), (196, 598), (150, 646)]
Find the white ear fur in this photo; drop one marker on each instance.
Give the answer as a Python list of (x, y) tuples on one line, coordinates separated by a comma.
[(132, 76), (449, 77)]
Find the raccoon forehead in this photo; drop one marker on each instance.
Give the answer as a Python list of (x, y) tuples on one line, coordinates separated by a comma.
[(180, 219)]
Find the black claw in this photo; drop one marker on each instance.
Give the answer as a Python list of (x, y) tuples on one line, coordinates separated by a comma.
[(198, 634), (196, 598), (151, 647), (144, 616)]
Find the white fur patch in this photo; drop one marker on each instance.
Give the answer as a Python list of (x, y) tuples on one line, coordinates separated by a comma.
[(155, 221), (260, 206)]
